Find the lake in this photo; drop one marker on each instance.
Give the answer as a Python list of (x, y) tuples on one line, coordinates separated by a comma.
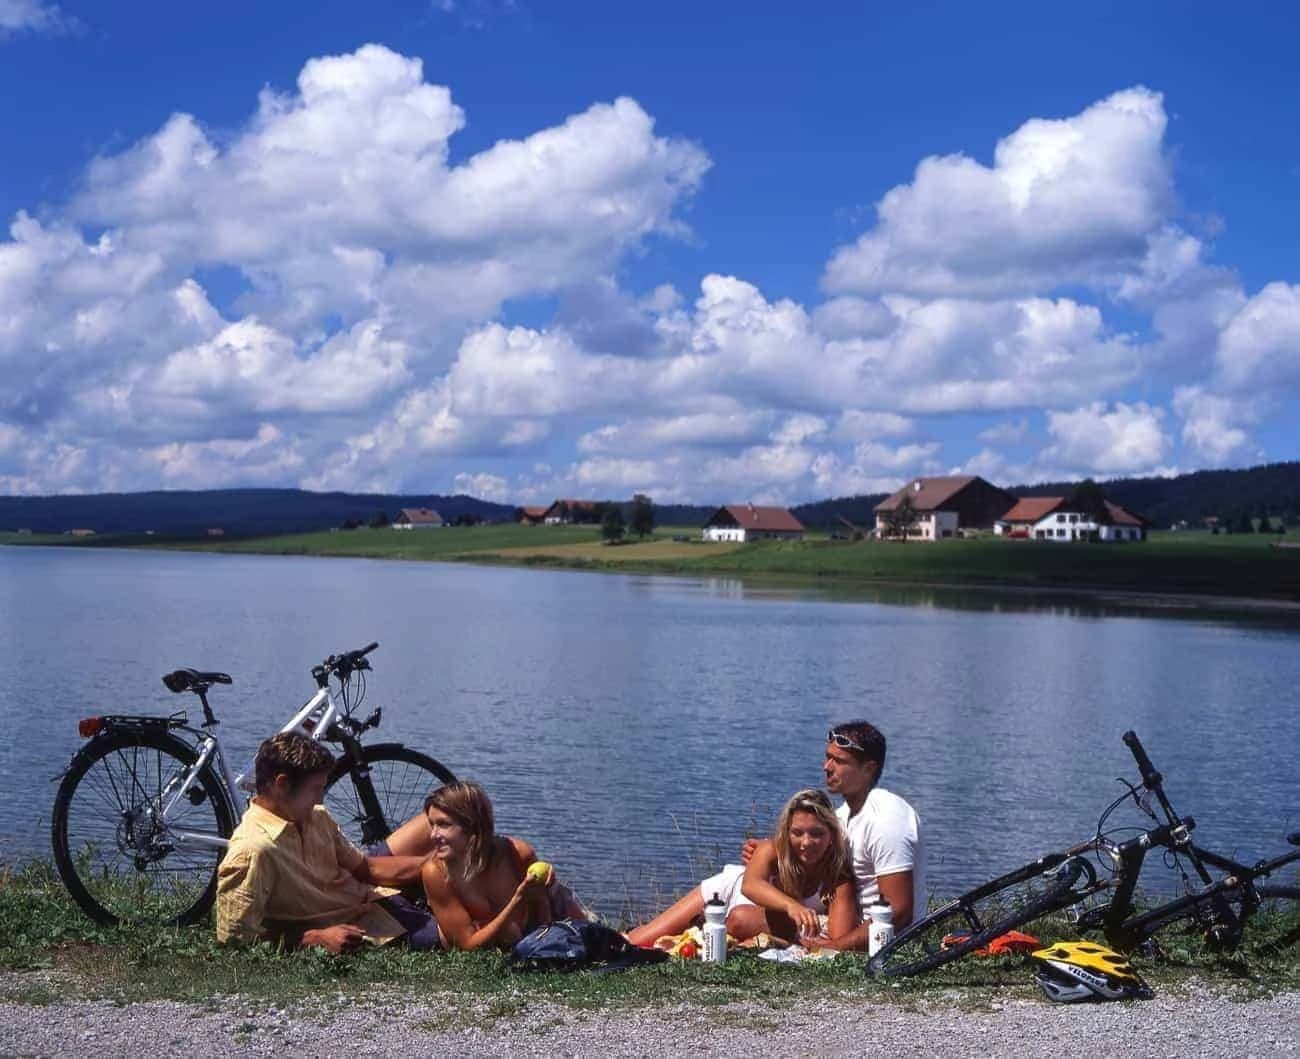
[(636, 728)]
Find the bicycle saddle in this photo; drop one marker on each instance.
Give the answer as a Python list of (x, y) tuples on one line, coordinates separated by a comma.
[(193, 680)]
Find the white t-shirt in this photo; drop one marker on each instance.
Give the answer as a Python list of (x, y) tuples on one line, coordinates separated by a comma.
[(885, 837)]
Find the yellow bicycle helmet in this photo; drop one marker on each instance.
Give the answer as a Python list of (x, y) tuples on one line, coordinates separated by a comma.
[(1082, 970)]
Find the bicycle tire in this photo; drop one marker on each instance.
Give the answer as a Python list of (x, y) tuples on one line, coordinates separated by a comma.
[(1196, 912), (402, 778), (978, 916), (111, 853)]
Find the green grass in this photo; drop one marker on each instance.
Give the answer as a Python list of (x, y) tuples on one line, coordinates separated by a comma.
[(40, 929), (388, 543), (1167, 563)]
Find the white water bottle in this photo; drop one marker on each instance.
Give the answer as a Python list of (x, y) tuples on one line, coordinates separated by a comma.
[(880, 931), (715, 931)]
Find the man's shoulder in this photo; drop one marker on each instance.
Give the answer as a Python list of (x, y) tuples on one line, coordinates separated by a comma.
[(882, 801), (247, 842), (887, 807)]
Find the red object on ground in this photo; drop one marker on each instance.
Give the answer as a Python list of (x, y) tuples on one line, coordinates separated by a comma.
[(1013, 941)]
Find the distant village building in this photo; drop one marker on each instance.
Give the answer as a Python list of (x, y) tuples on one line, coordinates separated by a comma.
[(1050, 518), (745, 522), (532, 516), (216, 531), (411, 518), (81, 532), (567, 512), (945, 506)]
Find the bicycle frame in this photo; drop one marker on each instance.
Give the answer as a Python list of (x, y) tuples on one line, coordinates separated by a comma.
[(316, 719), (1116, 919)]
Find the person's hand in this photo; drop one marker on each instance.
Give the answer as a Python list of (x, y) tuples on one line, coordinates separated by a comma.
[(532, 885), (341, 939), (806, 920), (747, 850)]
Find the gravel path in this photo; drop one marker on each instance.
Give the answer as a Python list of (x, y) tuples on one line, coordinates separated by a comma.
[(1193, 1022)]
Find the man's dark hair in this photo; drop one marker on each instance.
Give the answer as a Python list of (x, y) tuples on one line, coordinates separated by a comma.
[(291, 754), (867, 736)]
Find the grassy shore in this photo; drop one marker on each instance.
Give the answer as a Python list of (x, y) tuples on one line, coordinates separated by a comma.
[(40, 929), (1240, 566)]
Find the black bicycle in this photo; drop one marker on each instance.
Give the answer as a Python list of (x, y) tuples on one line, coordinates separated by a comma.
[(1102, 900), (146, 806)]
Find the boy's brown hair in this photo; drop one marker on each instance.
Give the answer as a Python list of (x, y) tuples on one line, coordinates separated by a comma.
[(290, 754)]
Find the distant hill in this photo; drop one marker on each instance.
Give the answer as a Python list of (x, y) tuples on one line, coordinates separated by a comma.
[(824, 514), (238, 512), (682, 514), (1272, 489)]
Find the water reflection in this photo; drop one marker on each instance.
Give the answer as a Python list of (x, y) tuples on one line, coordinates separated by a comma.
[(991, 599)]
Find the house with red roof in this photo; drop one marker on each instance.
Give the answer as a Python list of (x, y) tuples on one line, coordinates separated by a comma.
[(747, 522), (532, 516), (945, 506), (412, 518), (565, 512), (1053, 518)]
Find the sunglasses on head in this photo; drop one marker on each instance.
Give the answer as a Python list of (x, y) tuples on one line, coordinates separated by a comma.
[(844, 742)]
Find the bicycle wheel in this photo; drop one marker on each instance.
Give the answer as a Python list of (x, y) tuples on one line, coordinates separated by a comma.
[(402, 778), (116, 855), (1270, 927), (977, 917)]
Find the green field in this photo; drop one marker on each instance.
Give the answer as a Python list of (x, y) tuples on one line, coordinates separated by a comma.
[(1185, 563), (1241, 566)]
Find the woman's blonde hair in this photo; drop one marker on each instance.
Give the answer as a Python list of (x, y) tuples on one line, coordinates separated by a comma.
[(794, 879), (468, 804)]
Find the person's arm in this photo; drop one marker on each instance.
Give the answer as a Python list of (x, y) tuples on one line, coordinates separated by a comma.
[(377, 871), (244, 884), (842, 916), (896, 889), (389, 871), (761, 866), (454, 923), (539, 901)]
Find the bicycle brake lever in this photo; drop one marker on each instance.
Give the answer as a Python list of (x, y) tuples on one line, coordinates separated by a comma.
[(1144, 802)]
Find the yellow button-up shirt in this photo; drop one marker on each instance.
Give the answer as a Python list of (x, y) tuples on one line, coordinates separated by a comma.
[(278, 873)]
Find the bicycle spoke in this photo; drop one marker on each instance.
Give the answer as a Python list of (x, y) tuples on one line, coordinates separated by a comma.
[(120, 858)]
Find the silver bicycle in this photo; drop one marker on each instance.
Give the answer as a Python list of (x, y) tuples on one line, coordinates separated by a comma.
[(147, 805)]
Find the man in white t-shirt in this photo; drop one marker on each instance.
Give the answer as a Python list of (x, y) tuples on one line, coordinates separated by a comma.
[(885, 845), (885, 848)]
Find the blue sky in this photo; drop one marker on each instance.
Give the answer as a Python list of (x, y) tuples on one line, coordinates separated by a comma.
[(713, 252)]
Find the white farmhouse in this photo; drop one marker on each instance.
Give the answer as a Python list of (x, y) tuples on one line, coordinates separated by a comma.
[(1050, 518), (745, 522)]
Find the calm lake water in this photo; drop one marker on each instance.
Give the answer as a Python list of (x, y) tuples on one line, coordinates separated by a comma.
[(636, 728)]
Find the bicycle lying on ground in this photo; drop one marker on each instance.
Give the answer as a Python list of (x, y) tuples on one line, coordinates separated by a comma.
[(1219, 908), (146, 806)]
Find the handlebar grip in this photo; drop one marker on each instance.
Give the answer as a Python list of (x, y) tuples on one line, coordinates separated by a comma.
[(367, 650), (1150, 777)]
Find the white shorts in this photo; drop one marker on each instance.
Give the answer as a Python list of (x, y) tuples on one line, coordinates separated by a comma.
[(727, 885)]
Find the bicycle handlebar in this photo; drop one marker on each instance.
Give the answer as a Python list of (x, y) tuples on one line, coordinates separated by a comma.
[(1150, 777), (342, 665)]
